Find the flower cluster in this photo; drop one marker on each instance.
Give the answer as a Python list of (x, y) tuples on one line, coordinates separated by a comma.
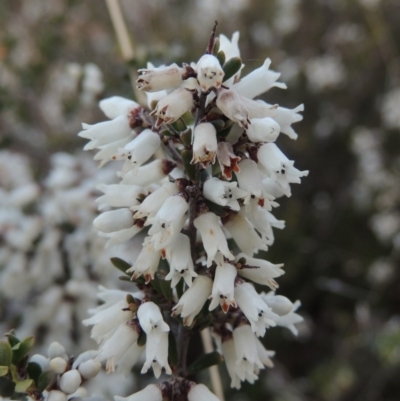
[(199, 178)]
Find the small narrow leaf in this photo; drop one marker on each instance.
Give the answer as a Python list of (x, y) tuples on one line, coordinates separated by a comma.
[(231, 67), (121, 265), (44, 380), (187, 157), (3, 370), (217, 209), (179, 125), (205, 361), (23, 385), (165, 287), (7, 387), (216, 46), (142, 339), (6, 354), (24, 347), (186, 137), (172, 349), (12, 339), (218, 124), (221, 57), (34, 370)]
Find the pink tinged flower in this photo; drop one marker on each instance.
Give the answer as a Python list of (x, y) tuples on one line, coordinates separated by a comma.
[(263, 273), (229, 353), (106, 132), (157, 79), (147, 262), (227, 159), (180, 261), (115, 347), (116, 106), (232, 106), (150, 173), (277, 166), (149, 393), (258, 81), (247, 359), (117, 195), (168, 221), (212, 236), (193, 300), (205, 144), (153, 202), (263, 130), (244, 234), (209, 72), (200, 392), (291, 319), (138, 151), (223, 193), (114, 220), (223, 287), (173, 106), (278, 303), (157, 353), (151, 319), (255, 309)]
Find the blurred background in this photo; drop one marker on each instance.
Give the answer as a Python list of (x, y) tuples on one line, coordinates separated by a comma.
[(341, 245)]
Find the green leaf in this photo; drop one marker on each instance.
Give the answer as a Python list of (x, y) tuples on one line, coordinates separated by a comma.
[(12, 339), (3, 370), (44, 380), (6, 354), (216, 47), (217, 209), (179, 125), (172, 349), (142, 339), (205, 361), (218, 124), (23, 385), (121, 265), (187, 156), (24, 347), (124, 278), (34, 370), (165, 287), (186, 137), (231, 67), (221, 57), (7, 387)]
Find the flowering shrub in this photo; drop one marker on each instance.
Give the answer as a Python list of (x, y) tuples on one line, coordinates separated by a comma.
[(200, 177)]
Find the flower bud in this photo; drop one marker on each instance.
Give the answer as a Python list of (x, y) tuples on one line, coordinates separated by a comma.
[(200, 392), (56, 395), (209, 72), (230, 103), (41, 360), (114, 220), (278, 303), (58, 365), (116, 106), (157, 79), (205, 144), (89, 369), (117, 195), (70, 381), (56, 349), (263, 130)]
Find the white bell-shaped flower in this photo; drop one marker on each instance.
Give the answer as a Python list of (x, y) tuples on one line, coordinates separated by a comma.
[(291, 319), (193, 299), (212, 236), (227, 159), (232, 106), (278, 303), (263, 130), (249, 179), (230, 358), (205, 144), (116, 106), (223, 193), (150, 318), (209, 72), (254, 308), (106, 152), (117, 195), (180, 261), (149, 393), (200, 392), (263, 273), (131, 357), (114, 220), (264, 354), (157, 79), (223, 287)]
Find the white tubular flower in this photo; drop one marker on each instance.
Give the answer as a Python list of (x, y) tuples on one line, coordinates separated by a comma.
[(132, 356), (152, 203), (291, 319), (247, 359), (149, 393), (200, 392), (119, 237), (244, 234), (114, 220), (116, 346), (274, 189), (205, 144), (258, 81), (168, 221), (277, 166), (147, 262), (180, 261), (70, 381), (255, 309), (157, 79), (117, 195), (263, 130), (264, 355), (228, 161), (173, 106), (116, 106), (193, 299), (223, 193), (138, 151), (212, 236), (150, 318), (223, 287), (229, 47), (229, 353), (150, 173), (278, 303), (249, 179), (263, 274), (232, 106), (157, 353), (106, 132), (209, 72), (106, 152)]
